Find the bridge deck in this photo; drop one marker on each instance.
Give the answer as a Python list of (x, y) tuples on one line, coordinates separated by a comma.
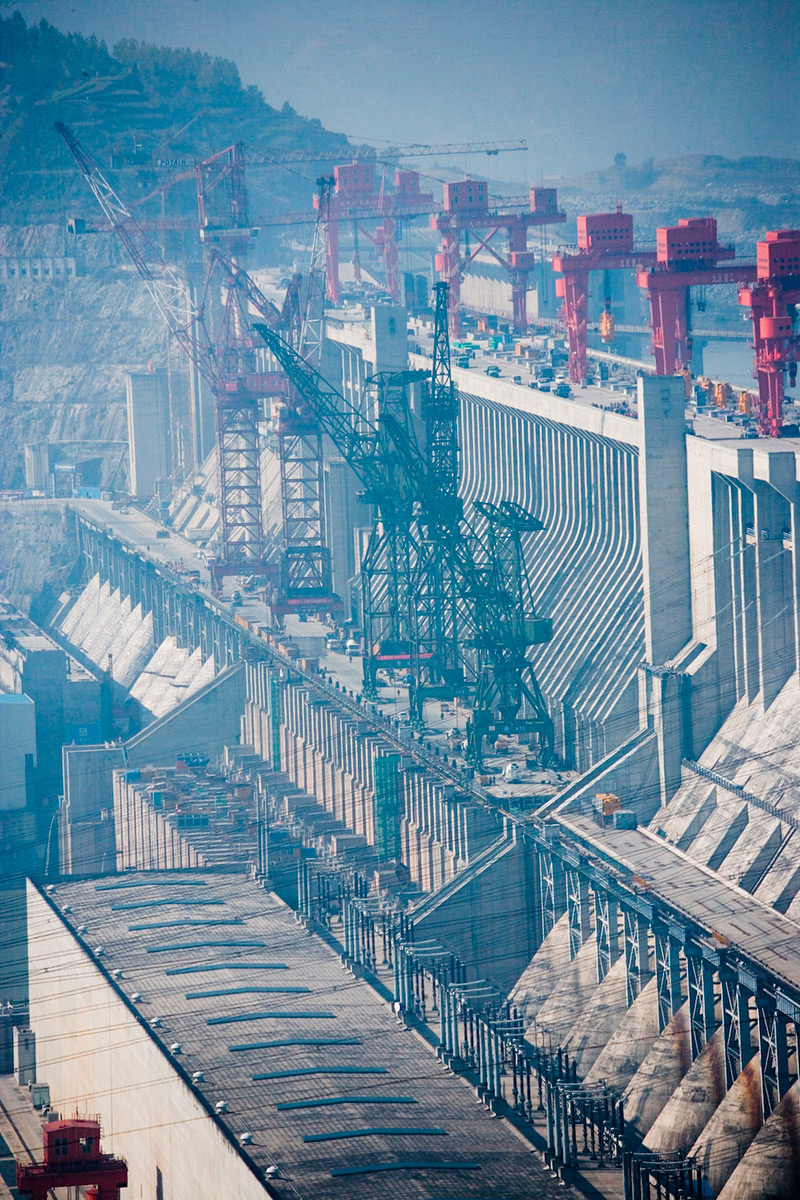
[(761, 933)]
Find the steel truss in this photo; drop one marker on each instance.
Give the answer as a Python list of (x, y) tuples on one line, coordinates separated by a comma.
[(606, 924)]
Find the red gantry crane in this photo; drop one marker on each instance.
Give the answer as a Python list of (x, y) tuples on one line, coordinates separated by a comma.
[(775, 340), (468, 210), (72, 1159), (354, 199), (687, 255), (605, 243)]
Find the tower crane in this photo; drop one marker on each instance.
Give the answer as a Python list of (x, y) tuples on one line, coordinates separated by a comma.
[(408, 590), (228, 361), (354, 197), (229, 364), (306, 579), (257, 156), (496, 615)]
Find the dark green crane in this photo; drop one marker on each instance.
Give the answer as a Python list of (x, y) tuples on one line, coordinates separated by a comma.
[(480, 567)]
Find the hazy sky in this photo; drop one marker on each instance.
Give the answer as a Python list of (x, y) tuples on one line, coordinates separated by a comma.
[(580, 79)]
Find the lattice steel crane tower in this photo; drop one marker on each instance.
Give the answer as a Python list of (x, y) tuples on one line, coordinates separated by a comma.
[(496, 615), (306, 581)]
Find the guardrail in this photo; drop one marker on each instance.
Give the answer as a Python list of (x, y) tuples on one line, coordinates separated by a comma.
[(729, 786)]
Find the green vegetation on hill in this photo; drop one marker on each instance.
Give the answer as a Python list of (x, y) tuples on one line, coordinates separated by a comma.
[(131, 107)]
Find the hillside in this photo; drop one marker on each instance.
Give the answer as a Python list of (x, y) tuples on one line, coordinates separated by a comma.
[(747, 195), (132, 107)]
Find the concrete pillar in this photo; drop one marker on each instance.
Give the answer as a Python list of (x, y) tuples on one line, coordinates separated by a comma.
[(775, 496), (664, 509), (148, 430)]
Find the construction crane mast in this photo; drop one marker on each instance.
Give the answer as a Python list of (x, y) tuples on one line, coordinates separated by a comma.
[(306, 581), (496, 617)]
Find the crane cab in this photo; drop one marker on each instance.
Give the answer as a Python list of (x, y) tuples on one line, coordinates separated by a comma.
[(75, 1141)]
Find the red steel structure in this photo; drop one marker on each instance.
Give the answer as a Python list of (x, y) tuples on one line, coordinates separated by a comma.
[(72, 1159), (776, 345), (605, 243), (354, 198), (468, 210), (687, 255)]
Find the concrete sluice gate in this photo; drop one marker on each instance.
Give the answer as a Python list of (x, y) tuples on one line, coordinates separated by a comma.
[(117, 635), (652, 959)]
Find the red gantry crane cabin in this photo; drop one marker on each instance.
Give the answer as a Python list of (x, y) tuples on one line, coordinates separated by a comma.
[(72, 1159)]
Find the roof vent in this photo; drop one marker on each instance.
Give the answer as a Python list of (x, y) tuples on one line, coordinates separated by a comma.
[(99, 951), (221, 1106), (51, 887), (116, 973), (136, 997), (245, 1138), (67, 908), (176, 1048), (156, 1022), (273, 1172), (82, 929), (198, 1077)]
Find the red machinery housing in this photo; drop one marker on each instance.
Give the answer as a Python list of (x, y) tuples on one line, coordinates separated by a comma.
[(605, 243), (72, 1158), (776, 345), (467, 210)]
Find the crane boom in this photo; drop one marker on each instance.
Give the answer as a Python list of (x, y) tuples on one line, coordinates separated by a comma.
[(167, 290), (254, 156)]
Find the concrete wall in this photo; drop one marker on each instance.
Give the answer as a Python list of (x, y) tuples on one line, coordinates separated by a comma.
[(204, 724), (98, 1057), (86, 833), (148, 430), (17, 749), (488, 913)]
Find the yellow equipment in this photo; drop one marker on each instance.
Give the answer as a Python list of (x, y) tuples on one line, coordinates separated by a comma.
[(606, 326), (722, 394)]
